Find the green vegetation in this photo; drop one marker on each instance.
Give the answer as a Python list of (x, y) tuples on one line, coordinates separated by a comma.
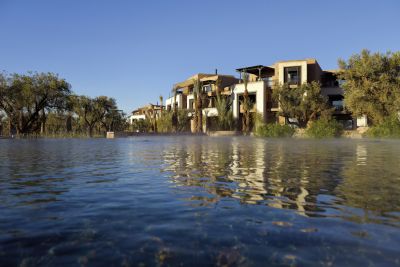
[(372, 85), (304, 103), (246, 104), (389, 128), (164, 123), (324, 128), (42, 104), (183, 121), (223, 105), (274, 130), (198, 106), (142, 126)]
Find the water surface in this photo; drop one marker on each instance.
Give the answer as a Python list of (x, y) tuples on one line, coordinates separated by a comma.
[(196, 201)]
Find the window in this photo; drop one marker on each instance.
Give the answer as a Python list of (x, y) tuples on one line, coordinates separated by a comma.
[(207, 88), (336, 101), (191, 104), (292, 75)]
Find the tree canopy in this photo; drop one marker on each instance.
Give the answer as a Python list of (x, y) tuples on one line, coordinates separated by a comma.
[(304, 103), (372, 84), (29, 101), (25, 98)]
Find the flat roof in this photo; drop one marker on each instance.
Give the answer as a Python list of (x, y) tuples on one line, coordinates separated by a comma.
[(202, 77)]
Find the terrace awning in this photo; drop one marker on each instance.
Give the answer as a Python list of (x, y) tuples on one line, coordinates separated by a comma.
[(258, 70)]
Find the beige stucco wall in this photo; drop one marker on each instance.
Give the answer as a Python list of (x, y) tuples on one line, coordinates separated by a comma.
[(279, 67), (188, 98), (253, 87), (170, 100)]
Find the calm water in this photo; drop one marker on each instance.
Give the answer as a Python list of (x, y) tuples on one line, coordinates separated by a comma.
[(194, 201)]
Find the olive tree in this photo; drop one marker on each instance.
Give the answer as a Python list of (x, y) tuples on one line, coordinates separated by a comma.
[(372, 84), (25, 99), (304, 103)]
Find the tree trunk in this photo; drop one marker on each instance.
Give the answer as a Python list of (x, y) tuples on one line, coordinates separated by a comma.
[(200, 121), (174, 115), (43, 124), (90, 131), (199, 114), (246, 112), (68, 124), (195, 116)]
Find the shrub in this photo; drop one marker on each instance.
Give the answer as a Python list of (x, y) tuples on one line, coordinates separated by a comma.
[(324, 129), (183, 121), (142, 126), (389, 128), (164, 123), (274, 130)]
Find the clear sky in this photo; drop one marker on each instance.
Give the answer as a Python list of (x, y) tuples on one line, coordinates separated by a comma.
[(136, 50)]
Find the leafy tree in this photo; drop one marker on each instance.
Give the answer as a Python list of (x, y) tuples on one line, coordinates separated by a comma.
[(114, 120), (304, 103), (25, 99), (94, 110), (372, 84)]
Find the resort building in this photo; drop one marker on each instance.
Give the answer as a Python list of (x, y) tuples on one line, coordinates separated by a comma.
[(261, 80), (293, 72), (148, 111), (185, 97)]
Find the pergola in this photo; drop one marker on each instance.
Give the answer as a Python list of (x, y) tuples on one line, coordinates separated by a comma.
[(258, 70)]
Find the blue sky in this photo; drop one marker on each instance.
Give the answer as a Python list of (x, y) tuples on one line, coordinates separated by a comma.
[(136, 50)]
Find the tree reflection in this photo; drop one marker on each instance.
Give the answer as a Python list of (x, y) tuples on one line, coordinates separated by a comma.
[(371, 182)]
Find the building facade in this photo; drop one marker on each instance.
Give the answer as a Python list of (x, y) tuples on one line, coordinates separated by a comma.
[(261, 81), (294, 73), (145, 112)]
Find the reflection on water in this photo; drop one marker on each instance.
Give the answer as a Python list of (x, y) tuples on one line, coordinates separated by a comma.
[(196, 201), (310, 177)]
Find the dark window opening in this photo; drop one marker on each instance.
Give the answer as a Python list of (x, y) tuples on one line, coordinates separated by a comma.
[(292, 75), (336, 101)]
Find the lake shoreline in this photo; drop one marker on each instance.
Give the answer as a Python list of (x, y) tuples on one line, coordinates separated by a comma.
[(299, 134)]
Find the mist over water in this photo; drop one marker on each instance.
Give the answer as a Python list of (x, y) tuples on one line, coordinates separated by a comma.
[(198, 201)]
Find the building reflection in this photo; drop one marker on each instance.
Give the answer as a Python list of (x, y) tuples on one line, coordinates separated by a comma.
[(253, 171), (311, 177)]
